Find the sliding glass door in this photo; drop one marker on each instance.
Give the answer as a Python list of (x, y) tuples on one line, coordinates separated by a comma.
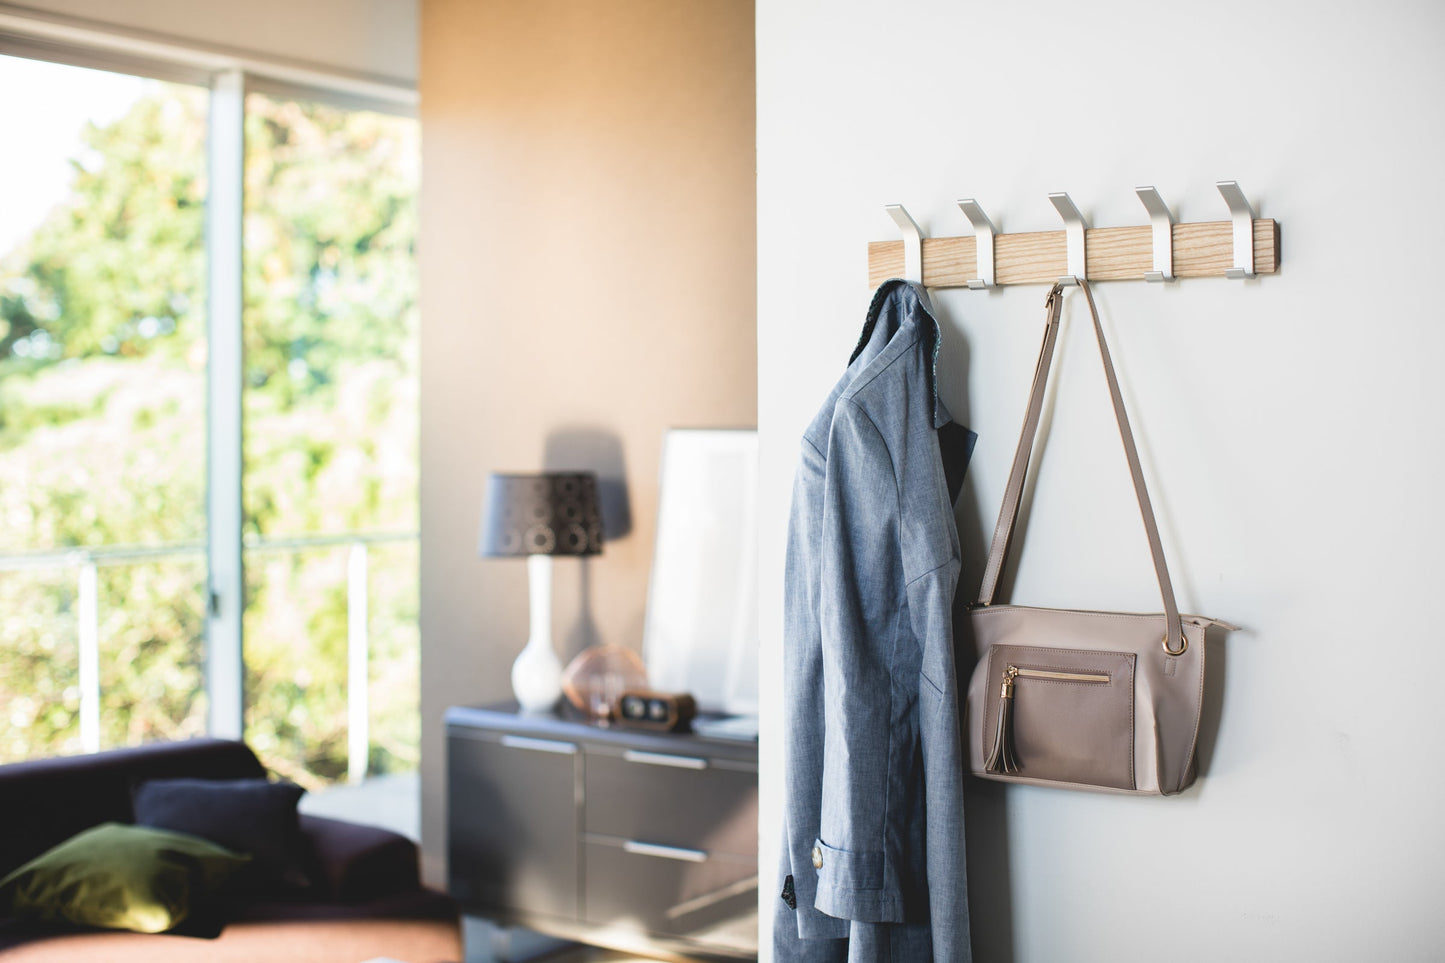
[(105, 424)]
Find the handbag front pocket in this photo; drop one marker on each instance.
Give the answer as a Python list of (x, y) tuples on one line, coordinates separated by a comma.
[(1062, 715)]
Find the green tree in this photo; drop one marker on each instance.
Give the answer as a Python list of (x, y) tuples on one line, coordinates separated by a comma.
[(118, 269)]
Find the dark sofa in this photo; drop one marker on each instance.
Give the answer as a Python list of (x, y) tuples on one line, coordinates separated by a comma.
[(366, 899)]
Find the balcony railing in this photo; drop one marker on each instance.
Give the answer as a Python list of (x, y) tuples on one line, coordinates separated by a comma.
[(87, 562)]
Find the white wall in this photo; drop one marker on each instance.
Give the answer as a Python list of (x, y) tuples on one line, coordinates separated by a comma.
[(1292, 428)]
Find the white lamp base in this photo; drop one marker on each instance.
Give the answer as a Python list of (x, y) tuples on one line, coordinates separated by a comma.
[(537, 673)]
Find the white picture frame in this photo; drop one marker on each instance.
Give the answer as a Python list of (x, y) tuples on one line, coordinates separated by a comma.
[(700, 632)]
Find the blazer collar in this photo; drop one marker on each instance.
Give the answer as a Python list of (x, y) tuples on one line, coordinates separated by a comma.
[(903, 305)]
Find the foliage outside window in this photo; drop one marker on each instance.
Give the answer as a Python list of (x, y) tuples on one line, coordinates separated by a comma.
[(102, 432), (330, 328)]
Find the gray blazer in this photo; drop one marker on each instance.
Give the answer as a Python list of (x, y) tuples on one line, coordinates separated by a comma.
[(873, 862)]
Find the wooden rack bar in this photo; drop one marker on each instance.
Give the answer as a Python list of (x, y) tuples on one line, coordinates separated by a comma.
[(1110, 254)]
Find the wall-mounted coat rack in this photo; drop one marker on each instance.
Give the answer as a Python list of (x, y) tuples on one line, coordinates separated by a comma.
[(1241, 247)]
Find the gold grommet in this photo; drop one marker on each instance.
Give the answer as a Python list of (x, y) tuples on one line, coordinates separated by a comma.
[(1183, 645)]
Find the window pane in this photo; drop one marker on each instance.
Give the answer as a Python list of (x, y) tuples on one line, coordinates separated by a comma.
[(152, 650), (330, 431), (40, 681), (102, 400), (295, 631), (395, 670)]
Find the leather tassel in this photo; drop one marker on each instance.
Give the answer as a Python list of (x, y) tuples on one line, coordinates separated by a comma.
[(1003, 760)]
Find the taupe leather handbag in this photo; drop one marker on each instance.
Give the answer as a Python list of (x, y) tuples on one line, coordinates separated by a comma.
[(1078, 699)]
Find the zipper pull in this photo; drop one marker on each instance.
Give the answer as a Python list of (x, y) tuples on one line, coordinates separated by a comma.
[(1003, 760)]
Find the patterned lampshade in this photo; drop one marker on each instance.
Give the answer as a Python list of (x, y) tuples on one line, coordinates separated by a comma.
[(555, 513)]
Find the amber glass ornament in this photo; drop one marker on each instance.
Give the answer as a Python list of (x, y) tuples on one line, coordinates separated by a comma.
[(599, 675)]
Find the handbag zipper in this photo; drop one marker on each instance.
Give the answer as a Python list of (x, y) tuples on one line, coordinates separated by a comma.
[(1014, 671), (1004, 759)]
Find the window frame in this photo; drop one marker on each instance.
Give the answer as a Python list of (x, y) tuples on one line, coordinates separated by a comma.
[(228, 76)]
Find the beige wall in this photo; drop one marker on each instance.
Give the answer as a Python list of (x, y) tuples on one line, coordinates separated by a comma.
[(588, 280)]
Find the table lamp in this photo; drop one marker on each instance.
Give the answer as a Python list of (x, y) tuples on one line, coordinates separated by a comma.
[(540, 516)]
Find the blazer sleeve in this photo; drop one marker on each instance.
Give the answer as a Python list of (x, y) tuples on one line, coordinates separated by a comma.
[(859, 615)]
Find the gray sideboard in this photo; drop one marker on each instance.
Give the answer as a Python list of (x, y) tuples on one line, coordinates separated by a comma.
[(623, 838)]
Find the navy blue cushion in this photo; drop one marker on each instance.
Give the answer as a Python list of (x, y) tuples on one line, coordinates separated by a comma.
[(250, 816)]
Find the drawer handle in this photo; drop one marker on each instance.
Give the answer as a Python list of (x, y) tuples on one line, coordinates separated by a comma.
[(540, 745), (662, 759), (666, 852)]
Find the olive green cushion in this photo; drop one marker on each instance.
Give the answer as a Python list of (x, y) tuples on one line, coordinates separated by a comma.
[(120, 877)]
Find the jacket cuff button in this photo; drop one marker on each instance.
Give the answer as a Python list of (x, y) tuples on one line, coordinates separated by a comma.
[(817, 858)]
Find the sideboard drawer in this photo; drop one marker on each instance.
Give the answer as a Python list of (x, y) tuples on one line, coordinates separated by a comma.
[(673, 800), (512, 823), (682, 893)]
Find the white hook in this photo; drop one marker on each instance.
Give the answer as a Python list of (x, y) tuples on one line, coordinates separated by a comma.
[(1243, 217), (1163, 223), (912, 243), (983, 232), (1074, 228)]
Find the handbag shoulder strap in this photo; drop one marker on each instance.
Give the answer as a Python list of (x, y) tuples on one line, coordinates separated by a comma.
[(1013, 492)]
